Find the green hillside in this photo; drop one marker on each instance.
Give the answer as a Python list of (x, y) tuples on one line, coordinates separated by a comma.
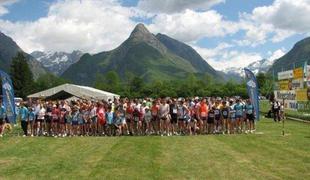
[(296, 57), (9, 49), (143, 55)]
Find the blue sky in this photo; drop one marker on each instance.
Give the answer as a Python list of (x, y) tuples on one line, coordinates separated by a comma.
[(227, 34)]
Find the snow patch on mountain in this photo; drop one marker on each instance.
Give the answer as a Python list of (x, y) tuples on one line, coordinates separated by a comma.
[(57, 62)]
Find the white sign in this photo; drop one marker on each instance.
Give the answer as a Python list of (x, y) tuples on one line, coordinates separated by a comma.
[(287, 95), (285, 75), (297, 84)]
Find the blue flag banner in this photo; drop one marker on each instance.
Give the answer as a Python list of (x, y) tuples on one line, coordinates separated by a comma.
[(8, 97), (252, 88)]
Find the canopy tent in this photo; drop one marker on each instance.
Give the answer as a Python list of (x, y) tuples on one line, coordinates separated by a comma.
[(66, 91)]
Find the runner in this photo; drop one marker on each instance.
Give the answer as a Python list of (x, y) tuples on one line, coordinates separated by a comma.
[(225, 116), (174, 116), (155, 118), (164, 117), (238, 107), (203, 115), (250, 116)]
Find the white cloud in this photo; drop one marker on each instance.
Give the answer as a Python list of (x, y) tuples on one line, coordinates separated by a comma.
[(223, 57), (173, 6), (277, 54), (4, 4), (276, 22), (90, 26), (189, 26)]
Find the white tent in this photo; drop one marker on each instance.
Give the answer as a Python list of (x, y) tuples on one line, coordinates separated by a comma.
[(66, 91)]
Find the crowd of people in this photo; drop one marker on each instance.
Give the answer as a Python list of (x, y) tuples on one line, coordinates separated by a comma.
[(136, 117)]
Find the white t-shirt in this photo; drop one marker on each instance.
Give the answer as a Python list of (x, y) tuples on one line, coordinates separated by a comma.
[(41, 113), (164, 110)]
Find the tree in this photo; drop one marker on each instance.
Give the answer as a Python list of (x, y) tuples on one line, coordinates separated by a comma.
[(47, 81), (21, 76)]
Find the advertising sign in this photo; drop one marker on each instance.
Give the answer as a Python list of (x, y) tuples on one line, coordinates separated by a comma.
[(283, 85), (301, 95), (298, 73), (285, 75), (287, 95), (297, 84)]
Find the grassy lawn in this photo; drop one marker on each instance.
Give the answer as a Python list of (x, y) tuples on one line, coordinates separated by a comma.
[(265, 155)]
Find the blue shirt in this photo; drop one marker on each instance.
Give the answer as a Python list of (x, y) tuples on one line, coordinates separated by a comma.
[(249, 108), (110, 117), (23, 112), (239, 109), (31, 116)]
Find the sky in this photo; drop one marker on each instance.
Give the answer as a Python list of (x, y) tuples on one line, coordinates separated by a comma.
[(226, 33)]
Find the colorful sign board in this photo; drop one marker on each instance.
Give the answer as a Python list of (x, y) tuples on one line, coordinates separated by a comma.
[(301, 95), (285, 75), (298, 73)]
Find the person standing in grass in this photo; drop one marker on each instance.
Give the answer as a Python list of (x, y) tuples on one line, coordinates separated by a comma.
[(250, 116), (164, 110), (40, 120), (68, 123), (93, 117), (173, 115), (217, 113), (23, 112), (232, 117), (55, 120), (110, 121), (276, 110), (155, 117), (31, 119), (203, 115), (75, 120), (225, 116), (101, 118), (210, 121), (239, 113)]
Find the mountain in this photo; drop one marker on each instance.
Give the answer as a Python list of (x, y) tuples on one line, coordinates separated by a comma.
[(57, 62), (295, 57), (237, 73), (143, 54), (9, 49)]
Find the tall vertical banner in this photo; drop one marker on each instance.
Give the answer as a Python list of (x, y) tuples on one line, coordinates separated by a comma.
[(252, 88), (8, 97)]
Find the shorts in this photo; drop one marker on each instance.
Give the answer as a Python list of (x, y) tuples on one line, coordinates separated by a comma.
[(48, 119), (154, 118), (75, 123), (203, 118), (39, 120), (174, 119), (233, 119), (225, 117), (69, 122), (163, 118), (238, 116), (55, 121), (94, 119), (210, 121), (181, 119), (250, 117)]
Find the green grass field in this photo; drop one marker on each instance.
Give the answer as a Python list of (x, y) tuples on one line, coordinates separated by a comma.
[(264, 155)]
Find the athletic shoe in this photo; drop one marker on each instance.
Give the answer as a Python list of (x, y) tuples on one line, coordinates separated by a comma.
[(31, 135), (24, 135), (1, 135)]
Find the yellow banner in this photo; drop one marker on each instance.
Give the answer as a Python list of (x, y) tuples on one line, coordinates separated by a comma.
[(301, 95), (284, 85), (298, 73)]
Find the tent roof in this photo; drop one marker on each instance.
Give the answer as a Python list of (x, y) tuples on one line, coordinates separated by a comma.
[(68, 90)]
